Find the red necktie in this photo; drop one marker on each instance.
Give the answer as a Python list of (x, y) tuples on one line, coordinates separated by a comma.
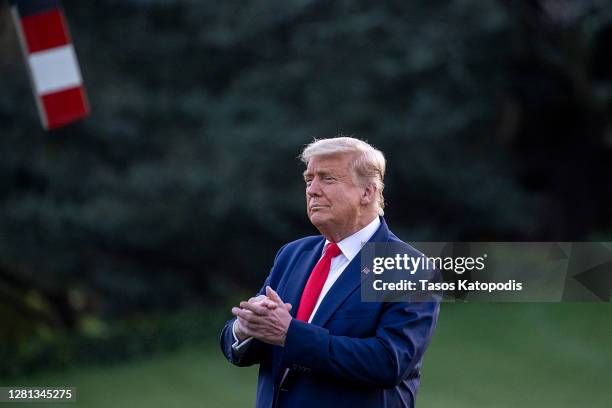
[(315, 283)]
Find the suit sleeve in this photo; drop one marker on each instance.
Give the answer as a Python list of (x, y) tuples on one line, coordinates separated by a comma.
[(384, 360), (255, 351)]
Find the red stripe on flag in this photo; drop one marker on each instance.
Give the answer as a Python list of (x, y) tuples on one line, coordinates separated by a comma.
[(64, 107), (45, 30)]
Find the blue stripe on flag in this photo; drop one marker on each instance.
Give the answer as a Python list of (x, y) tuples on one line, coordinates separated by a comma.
[(31, 7)]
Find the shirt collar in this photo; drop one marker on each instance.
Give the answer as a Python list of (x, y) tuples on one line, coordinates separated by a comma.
[(351, 245)]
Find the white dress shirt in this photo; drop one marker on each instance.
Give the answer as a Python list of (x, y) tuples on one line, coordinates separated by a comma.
[(350, 247)]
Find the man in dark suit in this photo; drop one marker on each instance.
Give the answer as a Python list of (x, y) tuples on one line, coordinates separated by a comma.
[(317, 344)]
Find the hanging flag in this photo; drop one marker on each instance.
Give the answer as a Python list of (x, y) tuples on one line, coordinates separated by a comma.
[(51, 60)]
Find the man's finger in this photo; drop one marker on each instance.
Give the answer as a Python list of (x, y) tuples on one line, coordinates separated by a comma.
[(258, 298), (269, 304), (256, 308), (273, 295), (245, 315)]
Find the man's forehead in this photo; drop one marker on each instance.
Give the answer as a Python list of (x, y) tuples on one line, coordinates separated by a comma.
[(333, 162)]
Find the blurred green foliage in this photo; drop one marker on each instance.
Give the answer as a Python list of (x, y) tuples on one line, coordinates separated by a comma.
[(113, 342)]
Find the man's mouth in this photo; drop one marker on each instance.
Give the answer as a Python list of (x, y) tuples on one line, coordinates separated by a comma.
[(315, 207)]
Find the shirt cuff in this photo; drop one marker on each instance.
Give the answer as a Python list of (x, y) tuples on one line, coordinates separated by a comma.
[(237, 345)]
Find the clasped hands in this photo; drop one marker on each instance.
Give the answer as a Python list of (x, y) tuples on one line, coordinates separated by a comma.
[(265, 317)]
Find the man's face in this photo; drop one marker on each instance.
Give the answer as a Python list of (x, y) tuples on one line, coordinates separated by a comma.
[(333, 195)]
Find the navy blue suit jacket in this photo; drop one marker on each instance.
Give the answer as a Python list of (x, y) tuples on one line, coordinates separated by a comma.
[(352, 354)]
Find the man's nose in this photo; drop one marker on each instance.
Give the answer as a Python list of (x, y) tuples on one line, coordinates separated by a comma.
[(314, 189)]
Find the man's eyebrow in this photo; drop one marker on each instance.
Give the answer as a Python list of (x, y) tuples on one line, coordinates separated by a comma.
[(321, 173)]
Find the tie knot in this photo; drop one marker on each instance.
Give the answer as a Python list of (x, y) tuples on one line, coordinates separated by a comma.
[(332, 250)]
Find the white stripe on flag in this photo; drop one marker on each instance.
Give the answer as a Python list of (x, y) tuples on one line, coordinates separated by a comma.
[(55, 69)]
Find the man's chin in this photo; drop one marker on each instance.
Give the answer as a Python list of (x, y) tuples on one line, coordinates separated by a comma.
[(318, 219)]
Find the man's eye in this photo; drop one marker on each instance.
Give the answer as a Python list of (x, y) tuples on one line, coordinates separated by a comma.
[(308, 182), (329, 178)]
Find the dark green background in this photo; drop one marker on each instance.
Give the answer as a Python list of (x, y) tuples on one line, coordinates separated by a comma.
[(131, 233)]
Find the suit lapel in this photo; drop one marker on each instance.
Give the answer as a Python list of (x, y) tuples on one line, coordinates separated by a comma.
[(348, 281), (296, 280)]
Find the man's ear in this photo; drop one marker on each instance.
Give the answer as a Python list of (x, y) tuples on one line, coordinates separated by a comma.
[(368, 194)]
